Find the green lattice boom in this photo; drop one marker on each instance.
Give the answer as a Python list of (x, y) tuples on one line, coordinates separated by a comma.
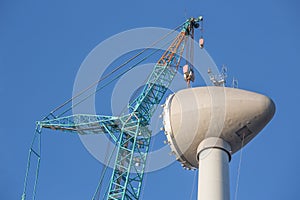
[(130, 132)]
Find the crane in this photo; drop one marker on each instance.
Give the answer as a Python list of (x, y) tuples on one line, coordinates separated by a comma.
[(130, 132)]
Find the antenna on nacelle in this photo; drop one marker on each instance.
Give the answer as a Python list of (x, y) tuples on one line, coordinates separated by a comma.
[(235, 83), (218, 79)]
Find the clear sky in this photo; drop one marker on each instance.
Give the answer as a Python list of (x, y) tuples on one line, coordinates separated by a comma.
[(43, 43)]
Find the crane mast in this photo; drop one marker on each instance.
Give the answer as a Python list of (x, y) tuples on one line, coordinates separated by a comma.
[(135, 142), (130, 132)]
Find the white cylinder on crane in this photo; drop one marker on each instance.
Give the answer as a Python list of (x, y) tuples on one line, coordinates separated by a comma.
[(213, 179)]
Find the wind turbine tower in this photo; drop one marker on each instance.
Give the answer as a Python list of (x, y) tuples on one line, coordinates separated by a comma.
[(205, 126)]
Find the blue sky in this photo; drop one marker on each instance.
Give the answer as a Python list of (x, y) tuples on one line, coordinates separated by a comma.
[(43, 43)]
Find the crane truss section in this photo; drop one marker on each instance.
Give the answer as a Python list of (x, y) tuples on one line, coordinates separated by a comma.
[(130, 132), (130, 163), (159, 81), (85, 124)]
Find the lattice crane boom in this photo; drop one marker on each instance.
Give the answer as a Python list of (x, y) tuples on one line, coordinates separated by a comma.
[(130, 132), (125, 185)]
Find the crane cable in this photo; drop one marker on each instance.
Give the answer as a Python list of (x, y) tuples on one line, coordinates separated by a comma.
[(193, 185), (104, 169), (239, 169), (115, 78), (145, 80), (113, 71), (151, 145), (103, 172)]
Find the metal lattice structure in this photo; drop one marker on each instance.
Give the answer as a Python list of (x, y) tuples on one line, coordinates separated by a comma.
[(130, 132)]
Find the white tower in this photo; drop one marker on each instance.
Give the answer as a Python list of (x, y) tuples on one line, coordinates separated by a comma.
[(206, 125)]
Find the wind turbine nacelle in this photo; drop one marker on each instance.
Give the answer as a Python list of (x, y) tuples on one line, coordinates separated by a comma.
[(194, 114)]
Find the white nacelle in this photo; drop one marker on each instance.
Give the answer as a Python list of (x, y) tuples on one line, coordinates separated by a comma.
[(193, 114)]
